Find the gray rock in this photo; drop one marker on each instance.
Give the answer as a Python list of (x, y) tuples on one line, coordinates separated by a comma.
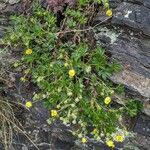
[(136, 1), (142, 125), (146, 108), (133, 81), (114, 3), (134, 55), (134, 16), (145, 3), (12, 9), (140, 142)]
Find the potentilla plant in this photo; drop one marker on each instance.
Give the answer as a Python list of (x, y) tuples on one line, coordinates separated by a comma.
[(70, 72)]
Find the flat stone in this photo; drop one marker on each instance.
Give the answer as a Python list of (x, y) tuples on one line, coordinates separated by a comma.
[(134, 16), (133, 81)]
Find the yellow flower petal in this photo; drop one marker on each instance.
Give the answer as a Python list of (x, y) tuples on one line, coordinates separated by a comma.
[(109, 12), (107, 100), (119, 138), (54, 113), (28, 104), (28, 52), (110, 143), (71, 73)]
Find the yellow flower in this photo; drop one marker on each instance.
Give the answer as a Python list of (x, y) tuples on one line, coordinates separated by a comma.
[(109, 12), (28, 104), (28, 52), (72, 73), (110, 143), (119, 138), (107, 100), (54, 113), (84, 140)]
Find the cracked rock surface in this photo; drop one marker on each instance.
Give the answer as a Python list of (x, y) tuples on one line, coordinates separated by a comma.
[(127, 39)]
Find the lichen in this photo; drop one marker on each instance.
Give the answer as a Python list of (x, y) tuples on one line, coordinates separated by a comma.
[(108, 33)]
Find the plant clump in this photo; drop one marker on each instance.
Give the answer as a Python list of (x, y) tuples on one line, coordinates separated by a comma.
[(71, 73)]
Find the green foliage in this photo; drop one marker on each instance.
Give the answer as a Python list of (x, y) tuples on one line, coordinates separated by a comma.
[(133, 107), (34, 30), (70, 72), (75, 17)]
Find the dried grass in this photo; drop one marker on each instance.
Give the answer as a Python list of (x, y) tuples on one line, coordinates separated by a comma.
[(6, 127), (9, 124)]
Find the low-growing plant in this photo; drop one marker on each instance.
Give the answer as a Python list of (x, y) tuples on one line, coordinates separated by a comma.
[(70, 72), (133, 107)]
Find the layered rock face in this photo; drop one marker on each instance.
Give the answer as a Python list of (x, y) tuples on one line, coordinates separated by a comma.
[(126, 37)]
